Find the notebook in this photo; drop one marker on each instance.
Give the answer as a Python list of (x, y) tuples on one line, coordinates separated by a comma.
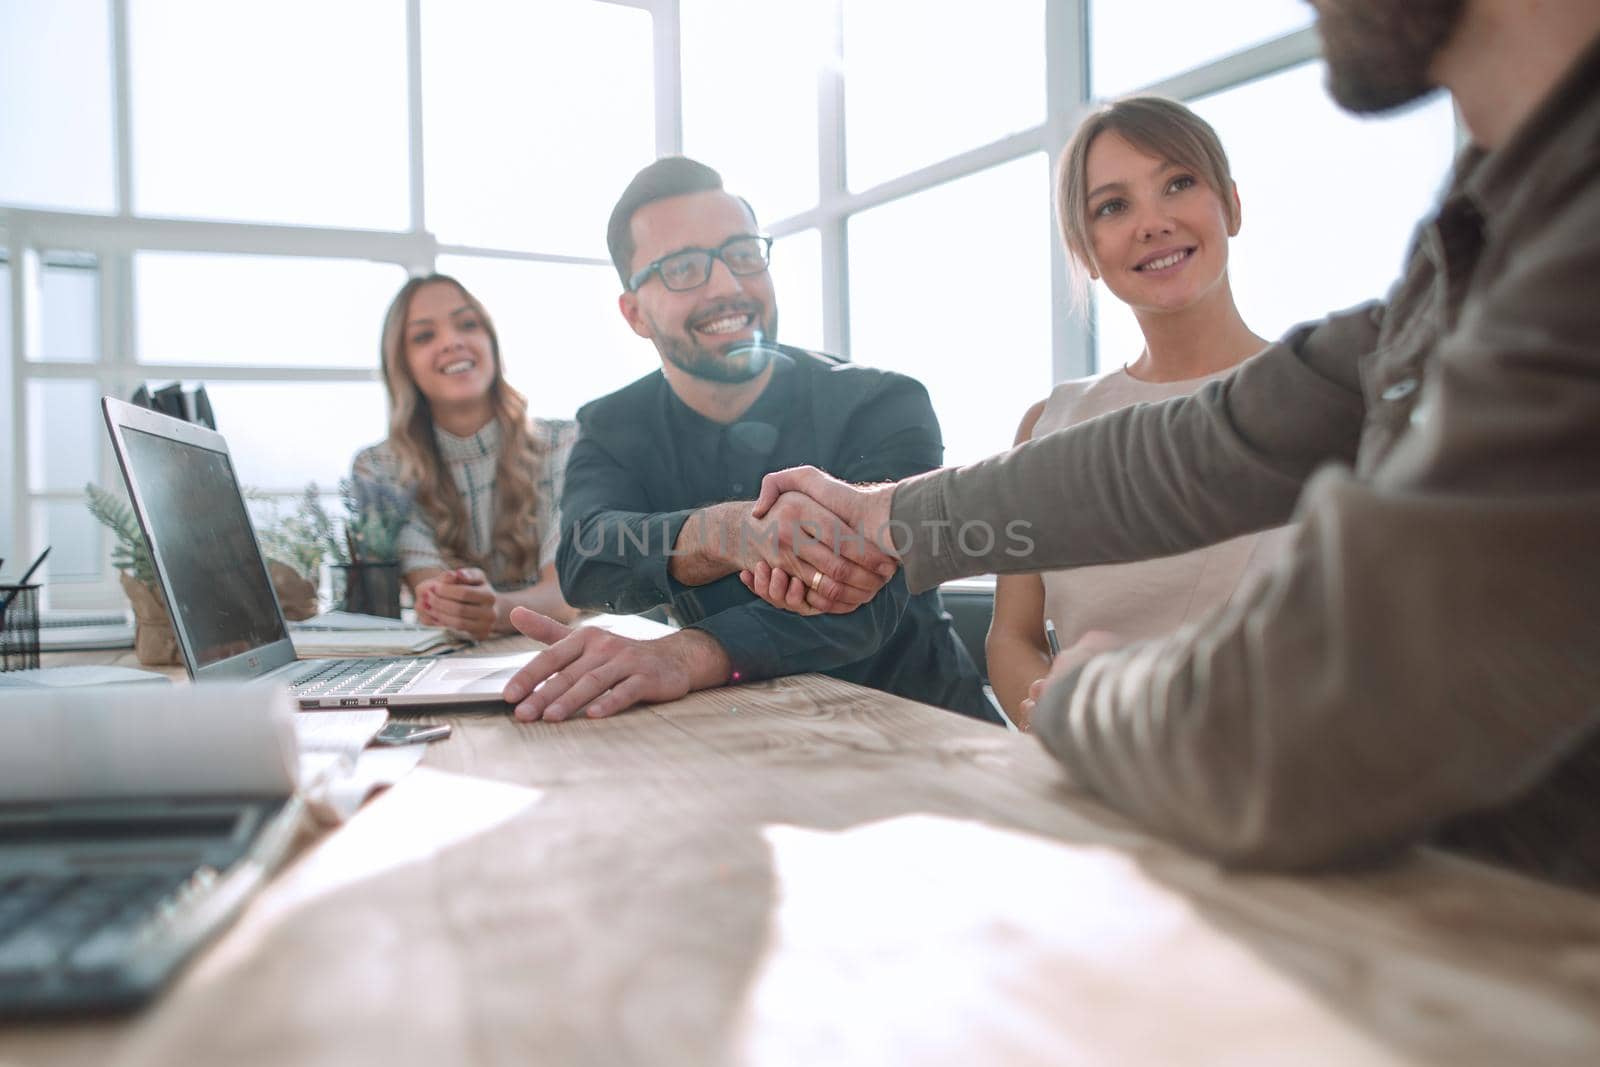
[(66, 631), (229, 624)]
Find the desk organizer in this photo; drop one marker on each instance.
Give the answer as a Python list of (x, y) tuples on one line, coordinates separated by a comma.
[(367, 588), (19, 627)]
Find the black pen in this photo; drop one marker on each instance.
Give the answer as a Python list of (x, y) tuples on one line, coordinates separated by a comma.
[(1050, 636), (6, 603)]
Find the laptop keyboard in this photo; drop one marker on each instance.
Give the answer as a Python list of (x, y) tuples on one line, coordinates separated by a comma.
[(82, 925), (378, 678)]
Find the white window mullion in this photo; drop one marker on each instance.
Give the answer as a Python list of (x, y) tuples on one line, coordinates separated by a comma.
[(419, 220), (1067, 89), (530, 257), (1269, 57), (668, 48), (14, 470), (833, 190), (122, 108)]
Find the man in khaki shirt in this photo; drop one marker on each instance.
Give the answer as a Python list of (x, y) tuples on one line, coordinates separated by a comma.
[(1425, 662)]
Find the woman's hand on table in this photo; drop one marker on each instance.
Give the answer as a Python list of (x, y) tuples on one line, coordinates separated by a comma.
[(1086, 648), (461, 599)]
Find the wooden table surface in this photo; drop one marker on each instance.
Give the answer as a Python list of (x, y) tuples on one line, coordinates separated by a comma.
[(808, 872)]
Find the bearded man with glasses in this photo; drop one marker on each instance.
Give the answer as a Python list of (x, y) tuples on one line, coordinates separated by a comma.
[(657, 499)]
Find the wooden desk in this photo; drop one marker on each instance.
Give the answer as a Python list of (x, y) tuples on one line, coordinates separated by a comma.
[(807, 872)]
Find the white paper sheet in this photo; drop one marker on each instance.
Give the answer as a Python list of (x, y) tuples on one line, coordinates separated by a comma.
[(330, 742), (377, 768)]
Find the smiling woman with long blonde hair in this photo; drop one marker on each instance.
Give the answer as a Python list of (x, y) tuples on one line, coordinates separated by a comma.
[(486, 476)]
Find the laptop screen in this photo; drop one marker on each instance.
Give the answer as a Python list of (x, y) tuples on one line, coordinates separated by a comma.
[(196, 515)]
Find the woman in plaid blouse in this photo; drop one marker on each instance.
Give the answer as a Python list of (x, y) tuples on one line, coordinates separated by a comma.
[(484, 529)]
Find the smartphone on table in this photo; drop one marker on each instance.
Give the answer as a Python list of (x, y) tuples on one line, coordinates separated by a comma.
[(411, 733)]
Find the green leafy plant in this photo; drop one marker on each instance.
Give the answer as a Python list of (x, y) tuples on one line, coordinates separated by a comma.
[(131, 554), (375, 513), (303, 538)]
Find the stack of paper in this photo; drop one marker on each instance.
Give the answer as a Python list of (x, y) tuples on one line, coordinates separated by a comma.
[(77, 674), (330, 742), (344, 633), (412, 642), (350, 620), (337, 770)]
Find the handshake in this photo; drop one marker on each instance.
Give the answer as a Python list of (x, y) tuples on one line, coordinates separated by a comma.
[(812, 544)]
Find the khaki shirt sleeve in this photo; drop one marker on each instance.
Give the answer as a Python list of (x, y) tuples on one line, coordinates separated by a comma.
[(1151, 480), (1428, 651)]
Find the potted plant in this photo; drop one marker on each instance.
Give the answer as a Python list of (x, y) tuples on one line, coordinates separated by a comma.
[(154, 641), (366, 560), (294, 547)]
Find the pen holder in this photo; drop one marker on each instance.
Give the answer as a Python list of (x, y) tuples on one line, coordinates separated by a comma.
[(19, 627), (367, 588)]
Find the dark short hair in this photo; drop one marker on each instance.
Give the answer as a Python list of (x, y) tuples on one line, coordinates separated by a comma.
[(667, 177)]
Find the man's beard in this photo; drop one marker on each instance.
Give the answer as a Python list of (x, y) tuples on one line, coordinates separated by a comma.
[(1380, 52), (734, 364)]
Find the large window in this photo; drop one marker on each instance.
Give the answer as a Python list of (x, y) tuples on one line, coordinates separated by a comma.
[(952, 286), (56, 144), (562, 337), (232, 193), (797, 283), (534, 117), (69, 303), (1136, 44), (260, 311), (289, 112), (968, 75), (750, 96)]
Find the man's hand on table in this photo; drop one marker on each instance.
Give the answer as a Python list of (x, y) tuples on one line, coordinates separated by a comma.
[(598, 673), (860, 513)]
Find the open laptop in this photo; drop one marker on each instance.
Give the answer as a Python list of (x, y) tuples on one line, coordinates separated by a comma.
[(226, 614)]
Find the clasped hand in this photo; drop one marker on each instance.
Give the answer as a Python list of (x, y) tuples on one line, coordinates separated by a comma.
[(840, 558), (824, 554), (461, 599)]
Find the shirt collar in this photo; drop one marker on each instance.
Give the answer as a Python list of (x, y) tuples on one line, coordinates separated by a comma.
[(1491, 179), (453, 449), (771, 407), (773, 403)]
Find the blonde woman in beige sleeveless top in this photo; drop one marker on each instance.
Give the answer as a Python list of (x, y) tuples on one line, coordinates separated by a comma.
[(1147, 204)]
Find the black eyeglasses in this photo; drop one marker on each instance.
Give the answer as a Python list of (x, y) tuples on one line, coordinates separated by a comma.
[(691, 268)]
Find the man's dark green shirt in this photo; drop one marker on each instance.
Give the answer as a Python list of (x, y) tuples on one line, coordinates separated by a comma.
[(644, 461)]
